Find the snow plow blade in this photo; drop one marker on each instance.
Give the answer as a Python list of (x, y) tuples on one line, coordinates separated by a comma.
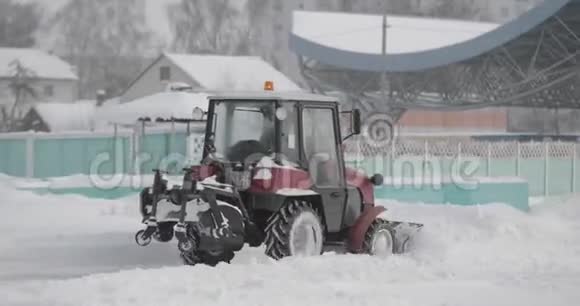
[(403, 233)]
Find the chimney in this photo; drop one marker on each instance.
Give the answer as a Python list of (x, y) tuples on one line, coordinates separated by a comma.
[(101, 97)]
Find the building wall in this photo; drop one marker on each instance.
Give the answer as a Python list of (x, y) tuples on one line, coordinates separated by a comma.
[(483, 120), (150, 81), (544, 121)]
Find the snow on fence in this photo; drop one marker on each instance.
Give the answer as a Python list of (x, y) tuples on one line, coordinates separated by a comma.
[(551, 168)]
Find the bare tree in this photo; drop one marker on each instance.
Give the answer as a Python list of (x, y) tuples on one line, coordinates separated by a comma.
[(18, 23), (346, 5), (459, 9), (97, 36), (209, 26), (21, 85), (395, 7)]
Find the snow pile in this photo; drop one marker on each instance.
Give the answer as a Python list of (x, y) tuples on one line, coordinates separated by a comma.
[(42, 64), (231, 73), (488, 255), (28, 215), (363, 33), (163, 105), (48, 237), (60, 117), (106, 182)]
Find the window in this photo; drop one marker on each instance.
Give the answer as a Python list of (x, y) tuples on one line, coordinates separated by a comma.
[(242, 129), (165, 73), (320, 146), (48, 90)]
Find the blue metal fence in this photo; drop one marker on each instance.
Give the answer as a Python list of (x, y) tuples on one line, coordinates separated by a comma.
[(550, 168)]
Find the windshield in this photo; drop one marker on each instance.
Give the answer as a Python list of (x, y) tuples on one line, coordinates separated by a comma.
[(243, 129)]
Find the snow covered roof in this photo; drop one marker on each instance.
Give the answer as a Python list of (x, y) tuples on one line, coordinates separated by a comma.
[(270, 95), (44, 65), (363, 33), (161, 105), (60, 117), (236, 73)]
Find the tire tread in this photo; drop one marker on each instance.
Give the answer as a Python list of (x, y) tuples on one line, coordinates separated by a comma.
[(279, 226)]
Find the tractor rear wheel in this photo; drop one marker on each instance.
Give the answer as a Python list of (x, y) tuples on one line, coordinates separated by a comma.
[(296, 230), (379, 239)]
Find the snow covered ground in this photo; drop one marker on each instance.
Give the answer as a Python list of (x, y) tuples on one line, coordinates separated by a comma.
[(68, 250)]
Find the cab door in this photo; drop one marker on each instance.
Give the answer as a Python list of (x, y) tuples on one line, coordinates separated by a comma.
[(321, 145)]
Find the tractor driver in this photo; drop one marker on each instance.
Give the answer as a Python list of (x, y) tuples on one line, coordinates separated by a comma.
[(258, 138)]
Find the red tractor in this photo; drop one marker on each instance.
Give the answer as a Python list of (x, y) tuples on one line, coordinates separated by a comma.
[(273, 173)]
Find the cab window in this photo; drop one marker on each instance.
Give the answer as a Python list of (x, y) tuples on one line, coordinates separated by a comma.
[(320, 146)]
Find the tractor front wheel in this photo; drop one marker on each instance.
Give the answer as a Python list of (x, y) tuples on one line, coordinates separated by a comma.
[(296, 230), (379, 239)]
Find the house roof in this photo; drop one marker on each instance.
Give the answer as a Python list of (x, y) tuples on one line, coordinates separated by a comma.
[(60, 117), (234, 73), (42, 64)]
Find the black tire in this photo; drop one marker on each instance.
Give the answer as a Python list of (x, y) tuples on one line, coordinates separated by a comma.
[(379, 227), (195, 257), (281, 224), (145, 201), (212, 260), (164, 232)]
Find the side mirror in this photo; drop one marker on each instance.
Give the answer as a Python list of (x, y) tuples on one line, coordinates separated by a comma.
[(377, 180), (356, 122)]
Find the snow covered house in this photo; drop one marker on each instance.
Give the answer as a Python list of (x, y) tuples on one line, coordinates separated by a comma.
[(206, 72), (52, 79)]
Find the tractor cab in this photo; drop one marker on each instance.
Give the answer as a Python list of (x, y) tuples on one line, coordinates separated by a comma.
[(293, 129)]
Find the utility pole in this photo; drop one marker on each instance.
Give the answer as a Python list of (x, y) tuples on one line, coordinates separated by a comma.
[(384, 53)]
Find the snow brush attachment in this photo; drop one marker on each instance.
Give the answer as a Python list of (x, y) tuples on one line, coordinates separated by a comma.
[(207, 219), (185, 244), (144, 237)]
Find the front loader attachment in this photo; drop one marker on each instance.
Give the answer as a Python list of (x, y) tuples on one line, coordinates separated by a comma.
[(403, 233)]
